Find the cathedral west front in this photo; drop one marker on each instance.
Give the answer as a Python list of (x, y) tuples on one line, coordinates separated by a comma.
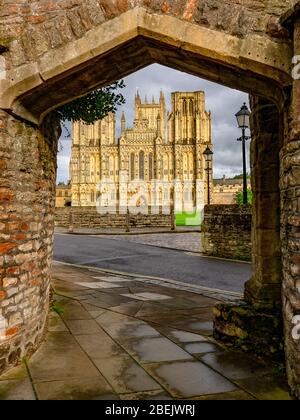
[(156, 162)]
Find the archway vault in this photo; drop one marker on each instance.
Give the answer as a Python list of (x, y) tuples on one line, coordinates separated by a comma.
[(134, 40)]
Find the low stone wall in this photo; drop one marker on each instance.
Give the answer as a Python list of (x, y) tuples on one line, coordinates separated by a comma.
[(87, 217), (226, 231)]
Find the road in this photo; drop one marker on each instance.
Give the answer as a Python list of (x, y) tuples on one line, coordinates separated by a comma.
[(147, 260)]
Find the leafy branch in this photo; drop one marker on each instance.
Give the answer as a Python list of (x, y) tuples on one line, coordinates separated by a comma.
[(94, 106)]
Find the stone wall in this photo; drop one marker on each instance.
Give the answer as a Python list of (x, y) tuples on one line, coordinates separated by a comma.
[(226, 231), (290, 218), (31, 28), (88, 217), (44, 39), (27, 195)]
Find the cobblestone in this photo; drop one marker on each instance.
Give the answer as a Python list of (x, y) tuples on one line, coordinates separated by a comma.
[(190, 242)]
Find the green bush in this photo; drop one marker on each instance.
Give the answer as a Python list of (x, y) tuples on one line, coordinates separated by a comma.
[(239, 197)]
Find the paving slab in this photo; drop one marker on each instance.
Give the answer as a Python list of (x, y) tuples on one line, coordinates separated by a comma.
[(76, 389), (199, 348), (147, 296), (56, 324), (61, 358), (141, 330), (99, 346), (16, 390), (100, 285), (83, 326), (114, 279), (74, 311), (149, 350), (185, 337), (130, 308), (189, 379), (235, 365), (106, 300), (125, 375)]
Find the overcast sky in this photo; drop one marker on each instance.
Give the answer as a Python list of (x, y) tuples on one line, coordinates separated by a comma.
[(221, 101)]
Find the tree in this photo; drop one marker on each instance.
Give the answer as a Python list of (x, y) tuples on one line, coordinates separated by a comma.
[(239, 197), (94, 106), (240, 176)]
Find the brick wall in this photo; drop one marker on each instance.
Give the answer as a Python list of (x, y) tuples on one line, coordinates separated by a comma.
[(27, 194), (88, 217), (226, 231)]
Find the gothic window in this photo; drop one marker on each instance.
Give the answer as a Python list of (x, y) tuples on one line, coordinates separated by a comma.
[(92, 197), (184, 107), (142, 165), (165, 166), (151, 166), (191, 107), (132, 167), (111, 165)]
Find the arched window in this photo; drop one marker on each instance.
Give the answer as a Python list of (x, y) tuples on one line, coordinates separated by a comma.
[(165, 166), (150, 166), (132, 166), (92, 167), (111, 166), (185, 166), (184, 107), (92, 197), (191, 165), (142, 165), (191, 107)]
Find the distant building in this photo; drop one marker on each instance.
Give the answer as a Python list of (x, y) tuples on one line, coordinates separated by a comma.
[(225, 190), (63, 195)]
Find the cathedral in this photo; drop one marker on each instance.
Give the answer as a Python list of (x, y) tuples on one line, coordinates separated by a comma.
[(162, 152)]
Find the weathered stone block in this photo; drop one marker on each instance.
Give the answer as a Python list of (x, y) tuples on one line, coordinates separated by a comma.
[(244, 328), (226, 231)]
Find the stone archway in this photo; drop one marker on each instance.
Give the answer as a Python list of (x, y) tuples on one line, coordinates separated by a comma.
[(111, 42)]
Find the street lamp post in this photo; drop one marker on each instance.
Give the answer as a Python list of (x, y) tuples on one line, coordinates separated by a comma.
[(243, 120), (208, 154)]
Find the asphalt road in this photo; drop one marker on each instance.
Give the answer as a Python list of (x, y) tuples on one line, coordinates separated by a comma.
[(151, 261)]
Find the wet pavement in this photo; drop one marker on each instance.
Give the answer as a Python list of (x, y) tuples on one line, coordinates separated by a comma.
[(125, 338)]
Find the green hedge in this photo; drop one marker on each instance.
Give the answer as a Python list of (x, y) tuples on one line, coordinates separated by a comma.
[(188, 219)]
